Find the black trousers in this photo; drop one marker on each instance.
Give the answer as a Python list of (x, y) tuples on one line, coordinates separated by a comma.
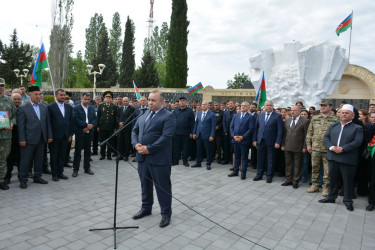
[(124, 143), (347, 172), (180, 143), (67, 153), (371, 181), (104, 135), (58, 154), (218, 147), (14, 158), (253, 159), (32, 153), (82, 142), (192, 149), (228, 148), (95, 142)]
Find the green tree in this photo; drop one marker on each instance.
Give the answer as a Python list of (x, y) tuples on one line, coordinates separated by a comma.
[(147, 75), (78, 77), (177, 68), (128, 57), (16, 55), (239, 81), (115, 41), (92, 37)]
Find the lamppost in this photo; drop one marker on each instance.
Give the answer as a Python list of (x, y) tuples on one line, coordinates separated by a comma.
[(17, 72), (89, 68)]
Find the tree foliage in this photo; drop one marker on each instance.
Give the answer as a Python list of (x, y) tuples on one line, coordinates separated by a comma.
[(147, 75), (92, 37), (239, 81), (128, 58), (16, 55), (176, 63), (61, 45), (78, 77), (115, 41)]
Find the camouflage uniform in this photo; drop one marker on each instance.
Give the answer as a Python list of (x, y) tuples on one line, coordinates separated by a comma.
[(6, 104), (318, 127)]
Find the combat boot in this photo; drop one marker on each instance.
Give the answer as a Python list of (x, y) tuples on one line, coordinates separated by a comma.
[(325, 191), (313, 189)]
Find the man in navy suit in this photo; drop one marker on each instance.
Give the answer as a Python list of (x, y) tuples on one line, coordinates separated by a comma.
[(34, 130), (241, 130), (61, 115), (203, 133), (84, 123), (152, 139), (125, 114), (267, 137)]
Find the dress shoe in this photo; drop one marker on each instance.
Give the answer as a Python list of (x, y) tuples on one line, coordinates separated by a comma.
[(196, 166), (186, 164), (174, 163), (102, 158), (23, 185), (64, 177), (67, 165), (287, 183), (4, 186), (134, 160), (327, 200), (165, 221), (75, 174), (208, 166), (349, 206), (269, 180), (88, 171), (46, 171), (232, 174), (40, 181), (141, 214), (370, 207), (109, 157), (243, 177), (295, 185), (257, 178), (55, 178), (231, 168)]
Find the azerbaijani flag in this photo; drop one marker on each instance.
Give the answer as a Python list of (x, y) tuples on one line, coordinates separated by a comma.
[(41, 63), (137, 93), (262, 94), (344, 25), (193, 90)]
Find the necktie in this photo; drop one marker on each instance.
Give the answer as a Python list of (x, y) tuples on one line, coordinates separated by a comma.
[(293, 123), (125, 107), (203, 116), (149, 119), (267, 117)]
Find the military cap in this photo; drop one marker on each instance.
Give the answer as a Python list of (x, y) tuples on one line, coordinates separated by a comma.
[(182, 97), (108, 94), (34, 88), (326, 101), (2, 82)]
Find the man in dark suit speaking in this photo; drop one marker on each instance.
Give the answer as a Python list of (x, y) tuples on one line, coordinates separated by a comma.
[(152, 139), (343, 140)]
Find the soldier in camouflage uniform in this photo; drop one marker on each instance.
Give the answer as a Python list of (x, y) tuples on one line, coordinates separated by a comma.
[(107, 124), (6, 104), (315, 146)]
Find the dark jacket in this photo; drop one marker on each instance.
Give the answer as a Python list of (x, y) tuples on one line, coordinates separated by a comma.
[(61, 125), (125, 116), (219, 123), (242, 127), (80, 118), (184, 121)]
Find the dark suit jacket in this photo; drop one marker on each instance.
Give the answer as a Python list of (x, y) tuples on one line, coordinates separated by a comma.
[(126, 116), (157, 136), (272, 132), (80, 118), (207, 127), (61, 125), (294, 139), (30, 128), (227, 121), (351, 140), (244, 127)]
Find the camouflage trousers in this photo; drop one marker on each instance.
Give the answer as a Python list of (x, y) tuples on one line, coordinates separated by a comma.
[(317, 158), (5, 146)]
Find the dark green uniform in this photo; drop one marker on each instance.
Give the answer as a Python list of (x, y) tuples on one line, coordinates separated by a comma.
[(107, 124), (6, 104)]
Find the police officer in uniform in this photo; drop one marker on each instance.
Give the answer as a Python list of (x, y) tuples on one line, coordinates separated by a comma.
[(107, 124)]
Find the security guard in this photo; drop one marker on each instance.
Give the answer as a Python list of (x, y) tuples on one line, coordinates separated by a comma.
[(107, 112)]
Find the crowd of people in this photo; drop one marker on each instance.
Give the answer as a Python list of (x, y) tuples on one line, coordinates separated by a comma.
[(322, 146)]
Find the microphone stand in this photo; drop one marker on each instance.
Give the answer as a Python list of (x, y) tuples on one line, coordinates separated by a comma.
[(114, 228)]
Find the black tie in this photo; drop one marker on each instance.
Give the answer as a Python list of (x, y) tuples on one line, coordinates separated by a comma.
[(293, 123)]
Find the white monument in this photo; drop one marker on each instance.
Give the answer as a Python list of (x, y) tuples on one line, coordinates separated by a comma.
[(306, 72)]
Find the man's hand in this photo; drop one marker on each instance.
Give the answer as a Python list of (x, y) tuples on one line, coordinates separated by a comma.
[(49, 140), (11, 127), (97, 130), (304, 150), (90, 126), (337, 150), (194, 136), (217, 127), (282, 148), (144, 150), (121, 124), (69, 139), (277, 145), (191, 136), (22, 143), (85, 130), (138, 147), (211, 138), (255, 144), (309, 149)]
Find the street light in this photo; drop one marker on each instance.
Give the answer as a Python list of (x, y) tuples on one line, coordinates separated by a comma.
[(89, 68), (17, 72)]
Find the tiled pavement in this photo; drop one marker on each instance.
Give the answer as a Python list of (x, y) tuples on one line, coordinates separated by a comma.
[(60, 214)]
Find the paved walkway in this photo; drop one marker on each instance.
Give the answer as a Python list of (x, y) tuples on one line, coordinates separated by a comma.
[(60, 214)]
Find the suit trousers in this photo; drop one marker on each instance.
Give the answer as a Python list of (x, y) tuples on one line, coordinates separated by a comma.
[(161, 176), (180, 143), (266, 159), (206, 144), (32, 153), (124, 143), (293, 163), (104, 135), (95, 142), (82, 142), (347, 172), (253, 156), (228, 148), (218, 147), (14, 158), (192, 149), (371, 180), (58, 155), (241, 152)]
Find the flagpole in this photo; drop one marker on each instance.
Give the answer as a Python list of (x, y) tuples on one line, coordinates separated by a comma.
[(350, 40), (50, 74)]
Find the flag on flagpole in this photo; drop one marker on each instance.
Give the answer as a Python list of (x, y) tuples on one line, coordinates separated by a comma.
[(262, 93), (41, 63), (344, 25), (257, 96), (137, 93), (193, 90)]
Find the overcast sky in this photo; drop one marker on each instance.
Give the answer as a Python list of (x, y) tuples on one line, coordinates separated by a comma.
[(222, 34)]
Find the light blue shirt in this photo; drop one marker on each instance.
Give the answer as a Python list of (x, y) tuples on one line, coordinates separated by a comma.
[(62, 108), (36, 109)]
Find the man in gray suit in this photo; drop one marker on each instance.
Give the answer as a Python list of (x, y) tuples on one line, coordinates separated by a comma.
[(343, 140), (34, 129), (294, 145)]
